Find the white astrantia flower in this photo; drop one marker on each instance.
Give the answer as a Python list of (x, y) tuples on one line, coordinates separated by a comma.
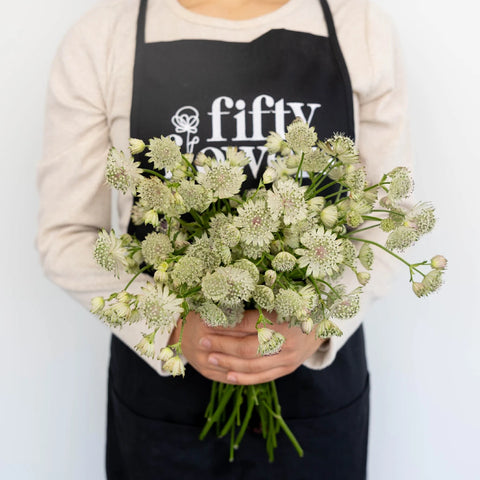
[(164, 153), (159, 307), (234, 313), (122, 173), (401, 238), (249, 267), (222, 179), (323, 252), (388, 224), (342, 148), (287, 198), (156, 248), (421, 218), (284, 262), (300, 137), (271, 346), (194, 196), (109, 252), (136, 146), (223, 230), (326, 329), (256, 223), (214, 286), (212, 315), (175, 366), (347, 306), (401, 184), (146, 346), (264, 297), (432, 281), (349, 253), (287, 303), (315, 161), (155, 195), (188, 271), (355, 179), (253, 251), (206, 250), (228, 285)]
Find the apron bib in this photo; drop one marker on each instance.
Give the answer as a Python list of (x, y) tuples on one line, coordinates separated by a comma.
[(208, 95)]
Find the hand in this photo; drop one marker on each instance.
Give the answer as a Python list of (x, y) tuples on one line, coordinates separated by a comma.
[(229, 355)]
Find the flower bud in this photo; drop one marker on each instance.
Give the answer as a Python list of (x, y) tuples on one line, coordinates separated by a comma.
[(363, 278), (136, 146), (165, 354), (418, 289), (97, 304), (269, 277), (151, 217), (124, 297), (264, 334), (284, 262), (270, 175), (146, 346), (175, 366), (329, 216), (317, 203), (160, 276), (307, 326), (439, 262)]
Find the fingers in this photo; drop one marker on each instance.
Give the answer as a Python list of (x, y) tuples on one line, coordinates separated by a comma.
[(237, 346)]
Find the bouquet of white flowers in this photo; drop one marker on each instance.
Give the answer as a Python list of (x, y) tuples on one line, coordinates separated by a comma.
[(216, 250)]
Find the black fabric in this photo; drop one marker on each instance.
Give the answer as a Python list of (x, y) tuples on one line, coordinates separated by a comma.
[(258, 86)]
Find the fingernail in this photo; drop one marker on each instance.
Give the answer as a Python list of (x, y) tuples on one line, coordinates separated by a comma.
[(205, 342), (232, 378), (213, 360)]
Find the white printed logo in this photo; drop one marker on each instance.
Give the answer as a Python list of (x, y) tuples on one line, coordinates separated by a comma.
[(187, 119)]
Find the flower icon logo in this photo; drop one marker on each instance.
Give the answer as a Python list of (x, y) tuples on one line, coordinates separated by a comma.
[(186, 120)]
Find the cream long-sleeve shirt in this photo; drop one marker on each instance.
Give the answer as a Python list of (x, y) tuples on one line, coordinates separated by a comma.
[(88, 110)]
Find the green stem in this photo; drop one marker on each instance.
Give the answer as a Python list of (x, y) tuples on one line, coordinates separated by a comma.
[(361, 230), (250, 404), (287, 431), (153, 172), (146, 267), (299, 169), (330, 287), (227, 393), (231, 420)]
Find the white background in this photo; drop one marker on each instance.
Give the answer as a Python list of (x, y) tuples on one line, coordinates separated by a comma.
[(423, 354)]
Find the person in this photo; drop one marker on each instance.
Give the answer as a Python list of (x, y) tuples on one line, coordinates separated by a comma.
[(213, 73)]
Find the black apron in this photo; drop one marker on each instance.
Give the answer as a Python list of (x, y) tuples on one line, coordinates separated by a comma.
[(207, 94)]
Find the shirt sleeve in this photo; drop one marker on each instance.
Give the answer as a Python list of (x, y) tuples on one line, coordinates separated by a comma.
[(75, 202), (383, 142)]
